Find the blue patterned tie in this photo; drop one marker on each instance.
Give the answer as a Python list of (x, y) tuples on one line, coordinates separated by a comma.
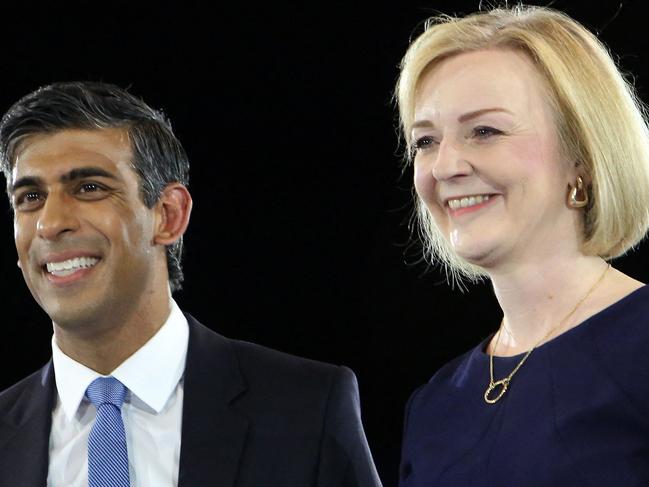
[(107, 455)]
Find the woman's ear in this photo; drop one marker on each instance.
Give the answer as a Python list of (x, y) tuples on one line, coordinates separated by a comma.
[(173, 210), (578, 169)]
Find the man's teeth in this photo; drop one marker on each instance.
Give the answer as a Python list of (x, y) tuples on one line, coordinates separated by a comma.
[(70, 266), (466, 202)]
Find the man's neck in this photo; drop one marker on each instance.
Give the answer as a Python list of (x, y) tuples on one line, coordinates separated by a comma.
[(108, 346)]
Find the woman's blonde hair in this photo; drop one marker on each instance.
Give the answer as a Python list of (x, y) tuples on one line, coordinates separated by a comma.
[(600, 120)]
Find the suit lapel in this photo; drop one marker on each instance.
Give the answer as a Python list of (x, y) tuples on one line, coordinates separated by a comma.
[(213, 432), (25, 429)]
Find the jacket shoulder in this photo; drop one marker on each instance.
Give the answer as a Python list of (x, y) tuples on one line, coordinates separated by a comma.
[(264, 360), (280, 378), (11, 395), (277, 377)]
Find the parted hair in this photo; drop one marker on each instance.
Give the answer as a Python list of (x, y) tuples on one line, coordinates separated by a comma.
[(158, 156), (600, 120)]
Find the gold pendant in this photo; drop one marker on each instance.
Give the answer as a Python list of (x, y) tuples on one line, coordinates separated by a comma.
[(503, 384)]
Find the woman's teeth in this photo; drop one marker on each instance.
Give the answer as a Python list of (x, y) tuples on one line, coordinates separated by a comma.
[(454, 204)]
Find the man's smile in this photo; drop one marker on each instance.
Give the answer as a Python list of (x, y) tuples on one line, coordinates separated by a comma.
[(70, 266)]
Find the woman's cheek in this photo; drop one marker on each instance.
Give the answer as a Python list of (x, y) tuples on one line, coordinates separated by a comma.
[(425, 184)]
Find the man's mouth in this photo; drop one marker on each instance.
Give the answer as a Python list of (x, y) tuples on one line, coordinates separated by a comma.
[(70, 266)]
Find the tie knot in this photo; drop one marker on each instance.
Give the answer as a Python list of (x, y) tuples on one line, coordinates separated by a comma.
[(106, 390)]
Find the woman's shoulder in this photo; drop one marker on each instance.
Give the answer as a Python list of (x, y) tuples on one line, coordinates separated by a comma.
[(629, 313), (617, 339), (450, 379), (617, 334)]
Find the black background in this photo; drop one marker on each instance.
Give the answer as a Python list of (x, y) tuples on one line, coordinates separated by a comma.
[(299, 238)]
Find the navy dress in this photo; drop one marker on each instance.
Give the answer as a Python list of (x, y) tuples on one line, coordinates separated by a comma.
[(576, 413)]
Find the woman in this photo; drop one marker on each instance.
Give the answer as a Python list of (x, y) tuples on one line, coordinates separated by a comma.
[(531, 167)]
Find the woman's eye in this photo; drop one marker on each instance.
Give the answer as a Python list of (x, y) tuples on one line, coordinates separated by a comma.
[(485, 132), (424, 142)]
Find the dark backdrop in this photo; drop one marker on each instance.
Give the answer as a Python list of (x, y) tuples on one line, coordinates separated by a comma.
[(299, 238)]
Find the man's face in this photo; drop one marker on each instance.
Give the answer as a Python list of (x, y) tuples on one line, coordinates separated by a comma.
[(85, 239)]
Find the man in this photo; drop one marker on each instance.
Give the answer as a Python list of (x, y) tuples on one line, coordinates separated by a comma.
[(136, 392)]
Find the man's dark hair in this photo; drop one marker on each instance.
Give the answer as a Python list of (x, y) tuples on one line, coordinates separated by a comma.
[(158, 156)]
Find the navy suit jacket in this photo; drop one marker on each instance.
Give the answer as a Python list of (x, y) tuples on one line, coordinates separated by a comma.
[(252, 417)]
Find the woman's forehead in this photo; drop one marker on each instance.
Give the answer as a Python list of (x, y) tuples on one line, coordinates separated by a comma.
[(480, 79)]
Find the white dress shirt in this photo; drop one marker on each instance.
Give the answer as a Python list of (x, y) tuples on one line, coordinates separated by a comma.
[(152, 411)]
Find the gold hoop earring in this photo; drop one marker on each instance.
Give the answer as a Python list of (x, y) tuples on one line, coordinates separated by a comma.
[(578, 188)]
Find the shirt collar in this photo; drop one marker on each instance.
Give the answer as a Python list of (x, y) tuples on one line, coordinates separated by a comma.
[(151, 373)]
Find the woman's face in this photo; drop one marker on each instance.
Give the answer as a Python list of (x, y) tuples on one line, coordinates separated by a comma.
[(488, 164)]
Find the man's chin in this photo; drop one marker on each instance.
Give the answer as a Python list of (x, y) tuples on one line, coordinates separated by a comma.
[(73, 319)]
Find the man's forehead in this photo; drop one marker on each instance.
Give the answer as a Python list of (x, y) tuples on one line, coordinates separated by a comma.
[(54, 154)]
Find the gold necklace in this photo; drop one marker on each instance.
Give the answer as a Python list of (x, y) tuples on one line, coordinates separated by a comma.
[(503, 384)]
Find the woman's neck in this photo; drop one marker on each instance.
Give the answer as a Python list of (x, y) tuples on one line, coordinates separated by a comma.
[(542, 300)]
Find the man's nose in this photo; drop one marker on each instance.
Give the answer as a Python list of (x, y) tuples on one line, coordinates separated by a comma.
[(57, 216)]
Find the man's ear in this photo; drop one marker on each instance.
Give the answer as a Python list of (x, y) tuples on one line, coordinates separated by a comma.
[(173, 210)]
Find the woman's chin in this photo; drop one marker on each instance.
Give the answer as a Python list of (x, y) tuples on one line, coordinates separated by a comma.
[(484, 256)]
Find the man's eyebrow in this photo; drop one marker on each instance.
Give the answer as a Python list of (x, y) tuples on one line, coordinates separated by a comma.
[(25, 181), (462, 118), (86, 172), (74, 174)]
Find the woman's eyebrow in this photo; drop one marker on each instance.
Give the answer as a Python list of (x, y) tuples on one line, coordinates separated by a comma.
[(476, 113), (465, 117)]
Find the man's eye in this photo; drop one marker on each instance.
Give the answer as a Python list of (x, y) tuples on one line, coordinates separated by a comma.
[(91, 191), (28, 200), (89, 188)]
